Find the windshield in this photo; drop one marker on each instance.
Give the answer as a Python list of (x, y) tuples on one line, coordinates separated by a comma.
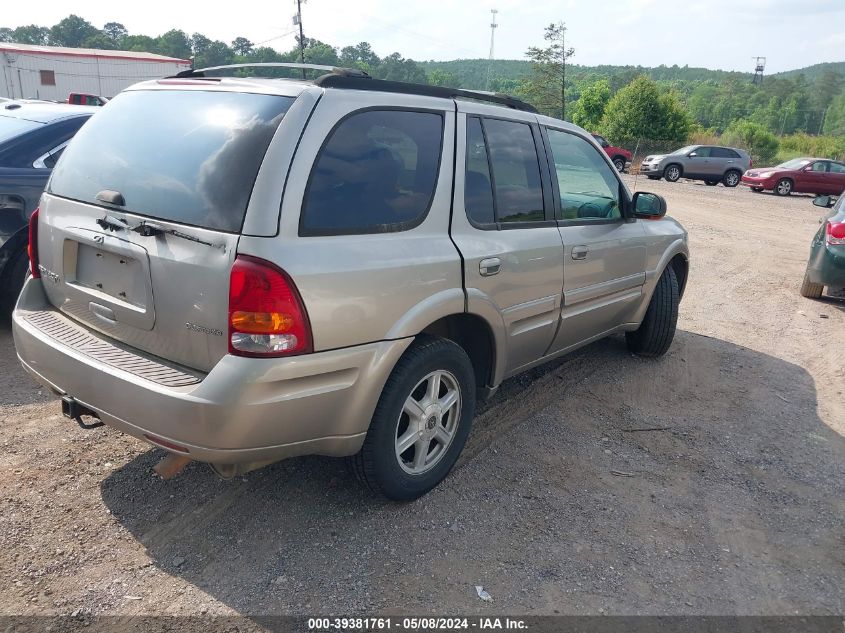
[(684, 150), (11, 127), (795, 163), (185, 156)]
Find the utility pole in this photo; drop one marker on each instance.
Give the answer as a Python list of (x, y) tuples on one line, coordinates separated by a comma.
[(298, 20), (493, 27), (759, 67), (563, 72)]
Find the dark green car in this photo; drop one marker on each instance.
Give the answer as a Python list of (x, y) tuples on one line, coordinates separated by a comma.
[(827, 255)]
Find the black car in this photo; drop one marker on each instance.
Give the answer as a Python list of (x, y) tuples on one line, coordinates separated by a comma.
[(32, 137)]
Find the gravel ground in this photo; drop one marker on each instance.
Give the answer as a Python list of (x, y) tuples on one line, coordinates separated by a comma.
[(563, 503)]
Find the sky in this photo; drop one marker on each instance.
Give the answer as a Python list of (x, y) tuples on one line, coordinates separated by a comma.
[(723, 34)]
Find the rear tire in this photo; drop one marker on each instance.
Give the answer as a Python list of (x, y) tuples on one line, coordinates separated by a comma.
[(655, 334), (809, 289), (13, 280), (731, 178), (382, 465), (672, 173), (783, 187)]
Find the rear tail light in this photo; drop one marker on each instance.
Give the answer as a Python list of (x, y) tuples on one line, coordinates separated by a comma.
[(835, 233), (266, 314), (32, 248)]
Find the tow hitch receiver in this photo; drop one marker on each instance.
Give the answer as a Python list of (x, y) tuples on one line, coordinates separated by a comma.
[(73, 410)]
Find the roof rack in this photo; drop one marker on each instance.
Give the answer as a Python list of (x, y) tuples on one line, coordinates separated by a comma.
[(332, 70), (354, 82), (356, 79)]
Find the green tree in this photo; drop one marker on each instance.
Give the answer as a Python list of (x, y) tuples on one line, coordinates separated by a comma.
[(394, 67), (99, 40), (116, 31), (31, 34), (545, 88), (590, 106), (138, 43), (834, 121), (360, 55), (174, 43), (242, 46), (6, 34), (72, 31), (760, 143), (439, 77), (640, 111)]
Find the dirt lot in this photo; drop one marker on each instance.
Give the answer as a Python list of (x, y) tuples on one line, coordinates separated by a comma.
[(562, 504)]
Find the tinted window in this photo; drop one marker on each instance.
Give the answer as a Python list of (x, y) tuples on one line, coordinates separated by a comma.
[(837, 168), (189, 157), (50, 161), (516, 171), (702, 152), (589, 189), (11, 127), (723, 152), (376, 172), (478, 190), (820, 166)]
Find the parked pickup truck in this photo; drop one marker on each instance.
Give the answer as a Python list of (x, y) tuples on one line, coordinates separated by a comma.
[(620, 157), (32, 137)]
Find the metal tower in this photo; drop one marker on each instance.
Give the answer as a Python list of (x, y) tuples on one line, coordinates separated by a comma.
[(759, 67), (493, 27)]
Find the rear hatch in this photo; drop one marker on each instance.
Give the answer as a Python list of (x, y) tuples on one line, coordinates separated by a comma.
[(139, 227)]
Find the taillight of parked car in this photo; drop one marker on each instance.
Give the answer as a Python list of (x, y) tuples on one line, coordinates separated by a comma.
[(32, 247), (836, 233), (266, 315)]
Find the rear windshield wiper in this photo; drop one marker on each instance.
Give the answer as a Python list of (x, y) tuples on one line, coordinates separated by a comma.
[(151, 230)]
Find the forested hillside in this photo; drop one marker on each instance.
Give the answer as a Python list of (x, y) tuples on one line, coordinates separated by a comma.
[(808, 102)]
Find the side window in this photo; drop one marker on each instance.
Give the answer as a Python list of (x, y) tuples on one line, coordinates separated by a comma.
[(837, 168), (702, 152), (375, 173), (820, 165), (516, 171), (723, 152), (50, 161), (478, 189), (589, 189)]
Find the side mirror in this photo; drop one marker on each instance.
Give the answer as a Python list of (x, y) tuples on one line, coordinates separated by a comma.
[(648, 206), (823, 201), (692, 154)]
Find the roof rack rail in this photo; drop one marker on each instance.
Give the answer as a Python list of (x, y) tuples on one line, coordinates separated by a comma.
[(332, 70), (355, 82)]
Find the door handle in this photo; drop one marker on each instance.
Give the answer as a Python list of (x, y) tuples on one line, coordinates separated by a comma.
[(489, 266), (580, 252)]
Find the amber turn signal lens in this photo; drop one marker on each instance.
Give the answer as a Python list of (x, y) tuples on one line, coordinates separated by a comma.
[(261, 322)]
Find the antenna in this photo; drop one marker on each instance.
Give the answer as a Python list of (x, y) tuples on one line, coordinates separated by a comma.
[(493, 27), (759, 67)]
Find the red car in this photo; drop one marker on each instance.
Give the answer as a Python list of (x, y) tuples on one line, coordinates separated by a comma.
[(621, 157), (800, 175)]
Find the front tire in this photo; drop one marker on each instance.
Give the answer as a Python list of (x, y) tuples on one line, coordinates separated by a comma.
[(809, 289), (655, 334), (672, 173), (619, 163), (783, 187), (421, 422)]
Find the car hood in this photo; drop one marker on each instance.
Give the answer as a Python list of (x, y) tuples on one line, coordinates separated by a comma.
[(651, 158), (757, 171)]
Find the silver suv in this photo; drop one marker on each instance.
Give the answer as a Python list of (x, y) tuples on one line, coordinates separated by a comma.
[(709, 163), (243, 270)]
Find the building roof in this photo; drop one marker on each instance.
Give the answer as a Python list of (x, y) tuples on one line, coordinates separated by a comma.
[(29, 49)]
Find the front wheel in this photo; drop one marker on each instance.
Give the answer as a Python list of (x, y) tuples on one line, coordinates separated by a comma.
[(421, 422), (655, 334), (732, 179), (809, 289), (784, 187), (672, 173), (619, 163)]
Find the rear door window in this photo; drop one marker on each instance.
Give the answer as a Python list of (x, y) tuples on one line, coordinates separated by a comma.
[(185, 156), (376, 173), (723, 152), (516, 171)]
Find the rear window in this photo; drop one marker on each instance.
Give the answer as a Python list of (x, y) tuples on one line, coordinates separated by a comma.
[(184, 156), (11, 127)]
